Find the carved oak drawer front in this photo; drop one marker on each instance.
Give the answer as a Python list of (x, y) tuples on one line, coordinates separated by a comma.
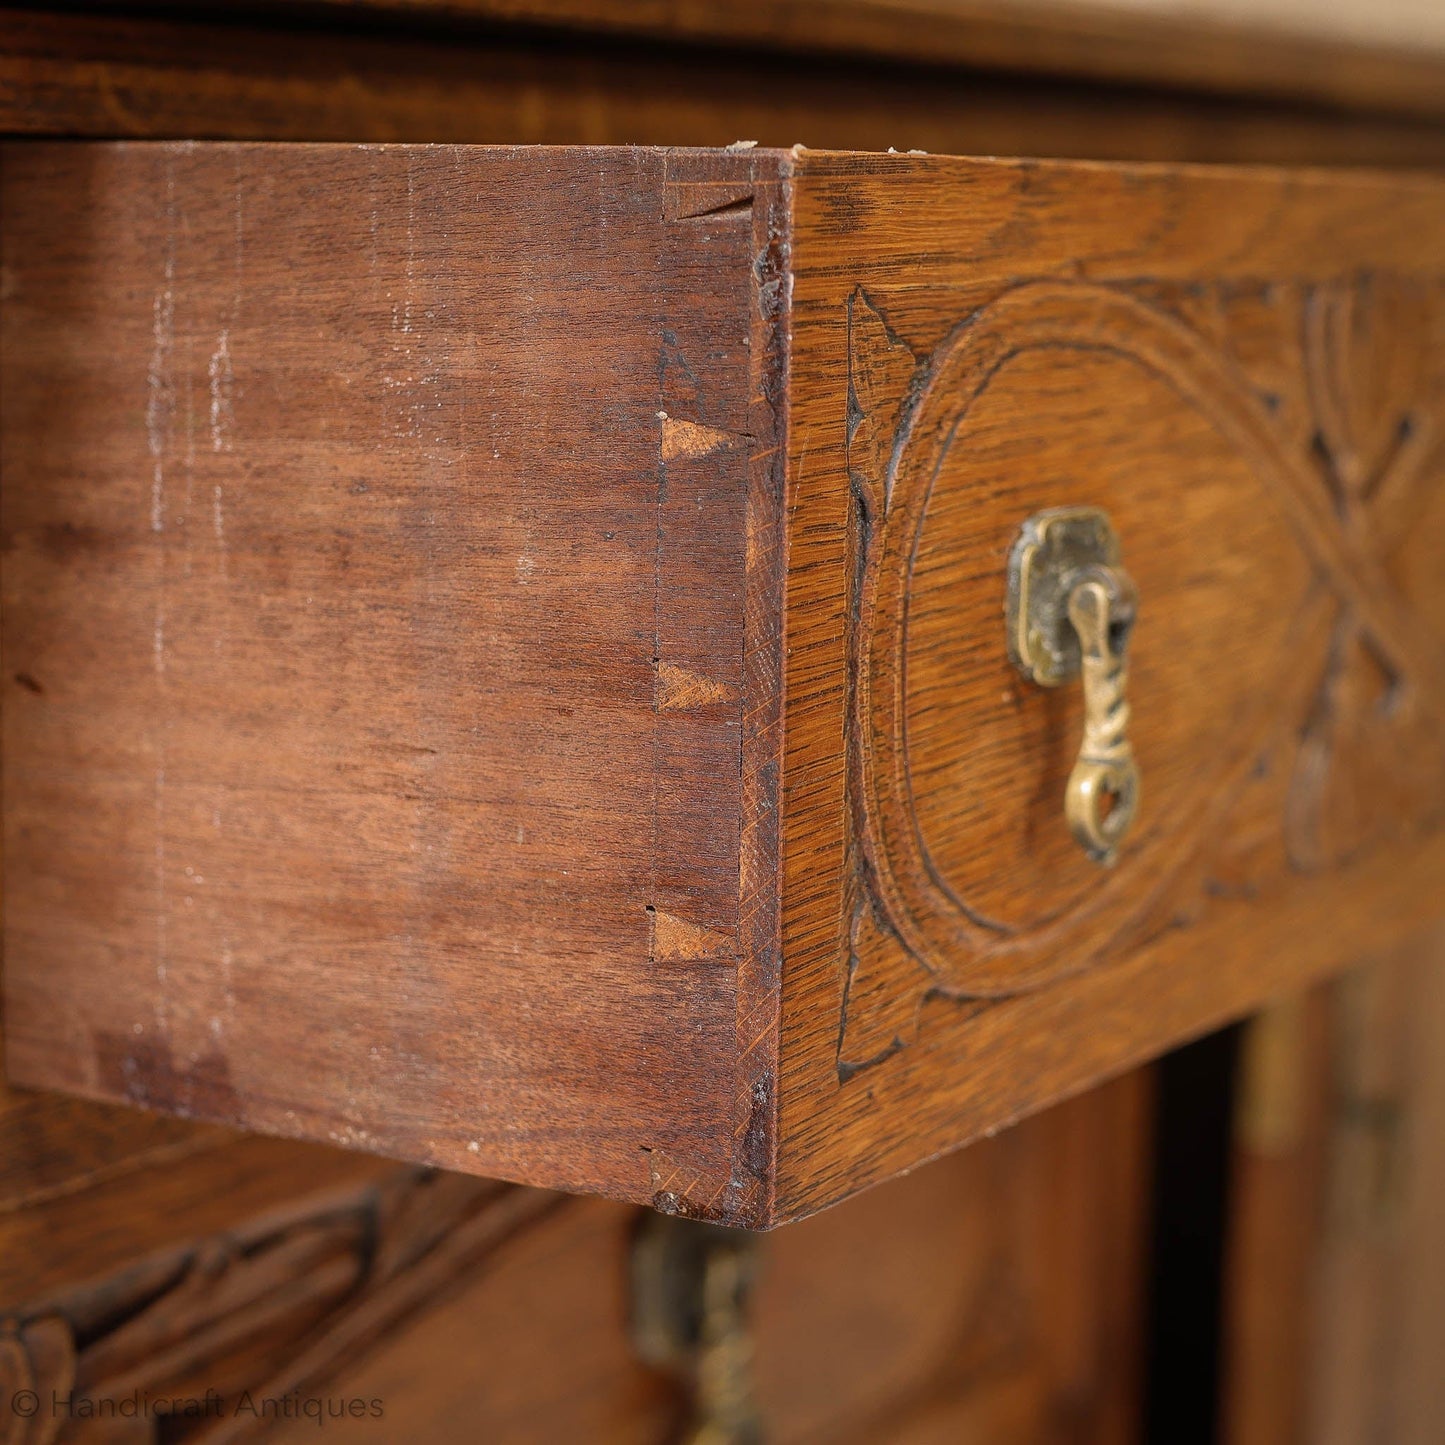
[(511, 660)]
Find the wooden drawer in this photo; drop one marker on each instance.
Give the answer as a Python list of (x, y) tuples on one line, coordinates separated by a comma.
[(506, 658)]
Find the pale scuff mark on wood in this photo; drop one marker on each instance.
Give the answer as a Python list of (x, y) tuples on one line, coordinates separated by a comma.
[(160, 393), (689, 439), (674, 938), (679, 688), (221, 376)]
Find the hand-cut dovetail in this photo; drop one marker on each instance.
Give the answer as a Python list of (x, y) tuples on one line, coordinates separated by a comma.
[(690, 439), (679, 688), (674, 938), (699, 200)]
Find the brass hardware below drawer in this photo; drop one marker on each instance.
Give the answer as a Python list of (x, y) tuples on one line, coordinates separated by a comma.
[(690, 1286), (1070, 610)]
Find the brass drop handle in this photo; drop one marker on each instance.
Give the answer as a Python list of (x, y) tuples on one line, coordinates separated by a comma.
[(1071, 609), (1103, 792)]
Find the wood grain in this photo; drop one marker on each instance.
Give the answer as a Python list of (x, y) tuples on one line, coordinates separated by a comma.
[(504, 650), (994, 1295), (1246, 370), (51, 1145), (337, 742), (1337, 1252), (531, 1346), (991, 1296), (265, 1310), (108, 1225)]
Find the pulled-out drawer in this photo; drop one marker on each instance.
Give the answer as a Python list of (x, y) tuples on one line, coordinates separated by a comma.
[(704, 677)]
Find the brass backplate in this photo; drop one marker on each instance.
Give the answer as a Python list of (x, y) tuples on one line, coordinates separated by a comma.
[(1053, 551)]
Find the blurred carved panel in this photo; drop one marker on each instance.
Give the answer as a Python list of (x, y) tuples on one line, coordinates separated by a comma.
[(1336, 1310), (992, 1296)]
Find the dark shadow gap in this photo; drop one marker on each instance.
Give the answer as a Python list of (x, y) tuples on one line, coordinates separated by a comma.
[(1183, 1364)]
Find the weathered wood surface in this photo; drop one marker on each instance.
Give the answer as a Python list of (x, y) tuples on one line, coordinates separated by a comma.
[(399, 736), (375, 559), (1247, 370)]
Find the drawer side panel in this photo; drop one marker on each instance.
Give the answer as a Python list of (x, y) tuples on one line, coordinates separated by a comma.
[(374, 631)]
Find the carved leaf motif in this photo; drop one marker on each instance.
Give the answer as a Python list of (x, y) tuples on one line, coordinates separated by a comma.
[(37, 1356), (884, 992), (1369, 750), (1367, 354), (880, 369), (1366, 758), (270, 1312)]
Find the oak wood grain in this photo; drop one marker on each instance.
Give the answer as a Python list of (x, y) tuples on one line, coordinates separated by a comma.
[(1245, 369)]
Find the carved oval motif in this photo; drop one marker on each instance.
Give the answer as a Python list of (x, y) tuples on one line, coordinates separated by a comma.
[(1060, 394)]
